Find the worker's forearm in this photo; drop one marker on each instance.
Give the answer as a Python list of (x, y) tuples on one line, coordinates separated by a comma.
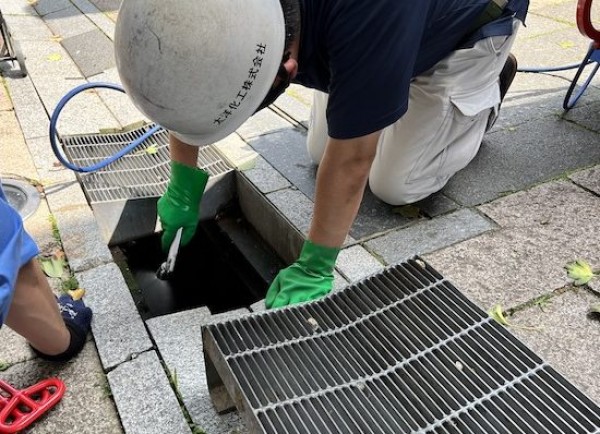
[(341, 181), (182, 152)]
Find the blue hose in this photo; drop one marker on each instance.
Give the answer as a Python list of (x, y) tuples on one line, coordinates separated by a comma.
[(550, 69), (94, 167)]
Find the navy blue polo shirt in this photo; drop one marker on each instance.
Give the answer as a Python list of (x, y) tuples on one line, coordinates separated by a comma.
[(363, 53)]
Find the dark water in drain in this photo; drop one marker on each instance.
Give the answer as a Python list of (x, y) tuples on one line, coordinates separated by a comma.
[(209, 272)]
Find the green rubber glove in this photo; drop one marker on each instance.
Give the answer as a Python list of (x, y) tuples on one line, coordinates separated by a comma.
[(309, 278), (179, 206)]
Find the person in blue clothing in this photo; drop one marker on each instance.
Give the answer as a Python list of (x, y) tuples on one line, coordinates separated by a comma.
[(56, 328), (404, 92)]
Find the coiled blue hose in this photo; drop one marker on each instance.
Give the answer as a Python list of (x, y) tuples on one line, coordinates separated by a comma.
[(94, 167)]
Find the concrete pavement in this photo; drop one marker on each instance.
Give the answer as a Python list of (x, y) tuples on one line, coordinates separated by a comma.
[(502, 230)]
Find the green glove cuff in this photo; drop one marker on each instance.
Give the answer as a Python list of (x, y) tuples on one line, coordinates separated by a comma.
[(189, 179), (318, 259)]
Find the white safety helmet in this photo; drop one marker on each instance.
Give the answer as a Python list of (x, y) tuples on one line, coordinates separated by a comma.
[(199, 68)]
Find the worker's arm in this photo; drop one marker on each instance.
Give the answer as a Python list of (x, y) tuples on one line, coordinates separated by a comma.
[(182, 152), (179, 206), (341, 180)]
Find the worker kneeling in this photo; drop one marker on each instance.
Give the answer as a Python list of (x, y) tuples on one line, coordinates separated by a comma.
[(404, 92)]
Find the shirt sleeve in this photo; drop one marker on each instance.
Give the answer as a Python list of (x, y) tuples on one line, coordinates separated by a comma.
[(373, 48)]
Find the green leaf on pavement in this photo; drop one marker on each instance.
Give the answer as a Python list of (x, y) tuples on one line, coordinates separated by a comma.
[(580, 271), (53, 266), (497, 313), (566, 44), (408, 211)]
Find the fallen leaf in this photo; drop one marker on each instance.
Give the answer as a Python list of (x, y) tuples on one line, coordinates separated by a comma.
[(313, 323), (53, 266), (595, 308), (580, 271), (497, 313), (77, 294), (56, 38), (150, 150), (566, 44), (408, 211), (54, 57)]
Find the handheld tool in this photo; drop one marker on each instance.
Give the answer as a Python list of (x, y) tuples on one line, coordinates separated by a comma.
[(165, 270)]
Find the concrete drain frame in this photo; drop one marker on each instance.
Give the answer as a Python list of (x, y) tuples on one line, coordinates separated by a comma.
[(402, 351)]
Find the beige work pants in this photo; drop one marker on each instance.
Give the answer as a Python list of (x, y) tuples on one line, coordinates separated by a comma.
[(450, 108)]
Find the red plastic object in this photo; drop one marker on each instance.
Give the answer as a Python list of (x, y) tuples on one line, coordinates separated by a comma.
[(584, 21), (20, 408)]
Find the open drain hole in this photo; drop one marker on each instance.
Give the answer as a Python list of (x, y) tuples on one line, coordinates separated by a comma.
[(210, 271)]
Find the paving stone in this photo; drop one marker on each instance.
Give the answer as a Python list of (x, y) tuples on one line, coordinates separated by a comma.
[(44, 7), (179, 341), (585, 111), (259, 306), (263, 122), (81, 238), (520, 159), (588, 178), (92, 52), (301, 93), (53, 175), (294, 205), (356, 263), (86, 113), (86, 407), (69, 22), (547, 9), (236, 152), (66, 196), (32, 116), (295, 108), (9, 131), (5, 101), (146, 402), (12, 7), (13, 348), (99, 18), (376, 217), (107, 5), (564, 335), (46, 59), (39, 226), (541, 231), (27, 27), (428, 236), (339, 281), (118, 330), (550, 42), (264, 177), (286, 152), (119, 104)]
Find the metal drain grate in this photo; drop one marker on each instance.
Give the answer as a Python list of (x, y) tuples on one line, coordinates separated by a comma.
[(123, 194), (401, 352), (141, 173)]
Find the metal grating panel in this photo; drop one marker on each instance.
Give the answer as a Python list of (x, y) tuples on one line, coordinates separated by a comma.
[(400, 352), (139, 174)]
